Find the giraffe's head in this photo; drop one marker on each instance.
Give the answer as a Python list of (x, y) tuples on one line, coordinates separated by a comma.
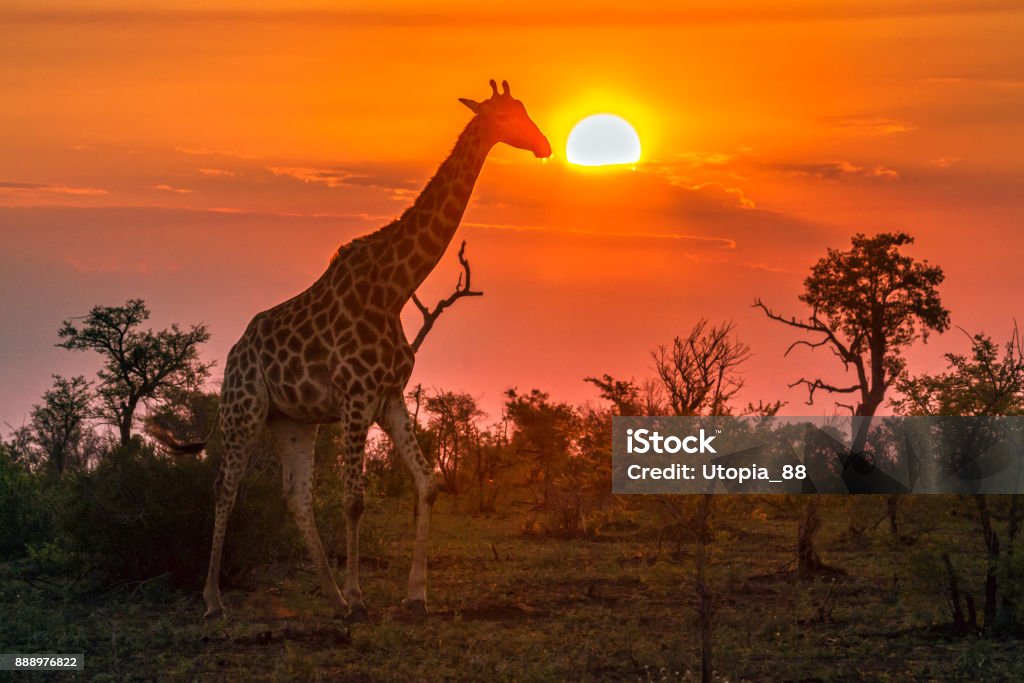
[(505, 120)]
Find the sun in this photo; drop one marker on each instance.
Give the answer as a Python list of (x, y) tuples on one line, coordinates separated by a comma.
[(603, 140)]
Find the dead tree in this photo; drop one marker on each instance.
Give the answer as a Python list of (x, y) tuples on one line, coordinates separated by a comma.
[(463, 288), (700, 372)]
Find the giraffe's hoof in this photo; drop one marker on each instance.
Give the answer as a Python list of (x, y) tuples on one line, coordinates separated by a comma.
[(415, 607), (358, 614), (214, 613)]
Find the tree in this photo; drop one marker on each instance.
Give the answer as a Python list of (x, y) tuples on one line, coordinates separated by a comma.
[(700, 371), (452, 419), (983, 383), (624, 395), (698, 375), (867, 305), (139, 365), (58, 425), (629, 398), (543, 430)]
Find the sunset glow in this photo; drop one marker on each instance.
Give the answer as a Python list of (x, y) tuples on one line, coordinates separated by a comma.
[(603, 140), (534, 294), (211, 157)]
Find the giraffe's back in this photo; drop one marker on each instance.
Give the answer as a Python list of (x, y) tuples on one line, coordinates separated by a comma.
[(330, 349)]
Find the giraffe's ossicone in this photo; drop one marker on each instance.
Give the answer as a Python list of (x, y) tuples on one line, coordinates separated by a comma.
[(337, 353)]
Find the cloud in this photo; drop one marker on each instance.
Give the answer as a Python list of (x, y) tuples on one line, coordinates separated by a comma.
[(705, 194), (213, 152), (723, 194), (168, 188), (719, 173), (835, 170), (720, 242), (872, 125), (944, 162), (25, 190), (702, 159), (668, 208), (399, 189), (217, 172), (323, 176), (11, 185)]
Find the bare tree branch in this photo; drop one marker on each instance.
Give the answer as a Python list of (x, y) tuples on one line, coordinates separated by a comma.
[(816, 384), (815, 325), (462, 288), (700, 372)]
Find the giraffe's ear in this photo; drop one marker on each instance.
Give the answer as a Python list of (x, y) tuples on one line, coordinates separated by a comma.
[(473, 106)]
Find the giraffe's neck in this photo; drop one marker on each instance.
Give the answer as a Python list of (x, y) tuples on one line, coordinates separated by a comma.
[(409, 249)]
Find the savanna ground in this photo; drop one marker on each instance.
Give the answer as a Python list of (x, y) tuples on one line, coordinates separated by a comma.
[(507, 605)]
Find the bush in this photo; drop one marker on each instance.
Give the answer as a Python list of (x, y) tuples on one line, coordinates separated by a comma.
[(140, 515), (25, 513)]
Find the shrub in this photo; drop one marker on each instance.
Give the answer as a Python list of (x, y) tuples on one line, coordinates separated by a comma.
[(140, 515), (25, 515)]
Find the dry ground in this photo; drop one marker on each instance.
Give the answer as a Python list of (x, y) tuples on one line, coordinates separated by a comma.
[(507, 606)]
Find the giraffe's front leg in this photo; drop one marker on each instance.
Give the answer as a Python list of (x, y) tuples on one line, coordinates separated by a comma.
[(353, 474), (398, 425)]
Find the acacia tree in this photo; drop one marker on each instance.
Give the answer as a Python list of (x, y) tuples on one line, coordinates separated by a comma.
[(629, 398), (138, 365), (452, 419), (57, 437), (59, 426), (983, 383), (542, 430), (868, 304)]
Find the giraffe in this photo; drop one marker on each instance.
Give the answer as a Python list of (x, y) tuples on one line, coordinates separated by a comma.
[(337, 352)]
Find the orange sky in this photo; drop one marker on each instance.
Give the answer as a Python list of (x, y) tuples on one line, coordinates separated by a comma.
[(209, 156)]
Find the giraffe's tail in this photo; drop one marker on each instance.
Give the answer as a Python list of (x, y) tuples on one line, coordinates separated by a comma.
[(163, 436)]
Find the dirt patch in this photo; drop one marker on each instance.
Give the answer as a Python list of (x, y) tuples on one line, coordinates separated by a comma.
[(510, 611), (319, 635)]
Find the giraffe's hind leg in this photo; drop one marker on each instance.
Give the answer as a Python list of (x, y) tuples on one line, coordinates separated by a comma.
[(295, 442), (398, 425), (240, 432)]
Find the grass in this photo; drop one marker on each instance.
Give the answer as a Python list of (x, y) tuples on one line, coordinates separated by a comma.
[(508, 606)]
